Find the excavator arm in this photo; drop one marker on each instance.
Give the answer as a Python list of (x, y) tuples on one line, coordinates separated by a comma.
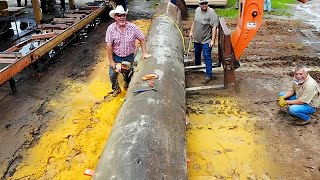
[(232, 46), (248, 23)]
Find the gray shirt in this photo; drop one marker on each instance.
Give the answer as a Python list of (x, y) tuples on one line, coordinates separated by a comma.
[(204, 21)]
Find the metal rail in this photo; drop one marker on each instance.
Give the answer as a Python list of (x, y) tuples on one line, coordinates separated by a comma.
[(16, 63)]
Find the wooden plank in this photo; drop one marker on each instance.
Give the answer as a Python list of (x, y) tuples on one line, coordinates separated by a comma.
[(200, 66), (14, 9), (53, 26), (57, 31), (81, 11), (43, 36), (195, 67), (217, 87), (74, 15), (65, 20), (7, 60), (10, 54)]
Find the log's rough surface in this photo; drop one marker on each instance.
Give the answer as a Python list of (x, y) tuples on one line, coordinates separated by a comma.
[(148, 139)]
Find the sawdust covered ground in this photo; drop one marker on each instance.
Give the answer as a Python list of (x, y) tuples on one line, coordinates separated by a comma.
[(73, 122), (239, 133), (56, 126)]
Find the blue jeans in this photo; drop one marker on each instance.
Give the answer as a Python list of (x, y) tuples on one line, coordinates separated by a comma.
[(173, 1), (267, 5), (302, 111), (198, 47), (114, 75)]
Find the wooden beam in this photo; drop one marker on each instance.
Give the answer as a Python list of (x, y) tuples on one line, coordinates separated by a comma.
[(217, 87), (195, 67), (214, 65), (43, 36), (36, 11), (57, 31), (53, 26), (71, 4), (81, 11), (74, 15), (10, 54), (65, 20), (7, 61)]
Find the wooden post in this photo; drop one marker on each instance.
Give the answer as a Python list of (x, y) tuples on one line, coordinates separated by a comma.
[(13, 86), (36, 11), (226, 56), (71, 4)]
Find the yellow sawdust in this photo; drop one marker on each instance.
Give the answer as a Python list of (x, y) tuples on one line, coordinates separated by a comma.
[(143, 25), (223, 142), (74, 143)]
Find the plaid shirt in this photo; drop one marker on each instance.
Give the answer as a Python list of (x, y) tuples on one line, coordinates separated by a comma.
[(123, 43)]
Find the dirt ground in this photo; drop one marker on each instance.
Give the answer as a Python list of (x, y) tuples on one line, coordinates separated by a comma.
[(237, 133), (278, 149)]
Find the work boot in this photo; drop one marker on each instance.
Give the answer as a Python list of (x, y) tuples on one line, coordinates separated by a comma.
[(315, 118), (116, 92), (206, 80), (300, 122), (285, 109)]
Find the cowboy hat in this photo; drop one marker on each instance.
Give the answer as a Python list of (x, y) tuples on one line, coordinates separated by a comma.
[(118, 10)]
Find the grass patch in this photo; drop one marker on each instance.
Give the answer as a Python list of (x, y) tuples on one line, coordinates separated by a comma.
[(229, 11), (280, 8)]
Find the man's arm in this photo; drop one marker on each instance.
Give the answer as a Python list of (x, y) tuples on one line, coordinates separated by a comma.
[(110, 55), (213, 39), (291, 102), (288, 94), (145, 55), (191, 30)]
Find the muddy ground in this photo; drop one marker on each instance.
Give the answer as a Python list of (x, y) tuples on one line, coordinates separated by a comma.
[(266, 69)]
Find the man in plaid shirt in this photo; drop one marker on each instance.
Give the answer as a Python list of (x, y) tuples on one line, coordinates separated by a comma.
[(120, 38)]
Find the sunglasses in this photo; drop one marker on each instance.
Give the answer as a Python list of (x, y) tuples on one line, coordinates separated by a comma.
[(121, 15), (204, 3)]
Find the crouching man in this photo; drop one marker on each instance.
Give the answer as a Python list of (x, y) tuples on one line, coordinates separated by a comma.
[(302, 99)]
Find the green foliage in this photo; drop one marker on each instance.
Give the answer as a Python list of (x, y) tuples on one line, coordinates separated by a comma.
[(280, 8), (229, 11)]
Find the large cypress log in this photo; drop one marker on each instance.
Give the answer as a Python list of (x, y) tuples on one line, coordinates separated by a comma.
[(148, 139)]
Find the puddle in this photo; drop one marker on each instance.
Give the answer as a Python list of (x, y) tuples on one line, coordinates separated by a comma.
[(309, 13)]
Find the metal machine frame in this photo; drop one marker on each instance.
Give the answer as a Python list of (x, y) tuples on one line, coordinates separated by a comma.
[(16, 62)]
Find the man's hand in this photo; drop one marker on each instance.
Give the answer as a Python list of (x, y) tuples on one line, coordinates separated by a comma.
[(146, 55), (211, 44), (281, 102), (112, 64), (191, 35)]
